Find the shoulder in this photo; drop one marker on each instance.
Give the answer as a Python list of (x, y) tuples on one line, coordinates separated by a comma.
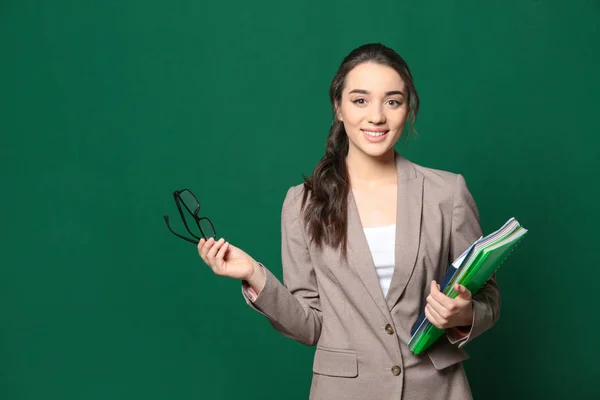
[(442, 185), (437, 178), (294, 193), (293, 200)]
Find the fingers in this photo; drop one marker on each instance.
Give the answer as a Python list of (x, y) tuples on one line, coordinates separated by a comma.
[(463, 292), (439, 309), (441, 298), (443, 311), (220, 257), (441, 315), (212, 253), (201, 251), (203, 247), (433, 317)]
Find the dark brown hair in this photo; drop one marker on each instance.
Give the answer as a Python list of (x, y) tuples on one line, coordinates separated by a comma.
[(326, 191)]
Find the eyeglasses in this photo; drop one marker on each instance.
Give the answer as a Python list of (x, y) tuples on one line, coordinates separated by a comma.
[(196, 226)]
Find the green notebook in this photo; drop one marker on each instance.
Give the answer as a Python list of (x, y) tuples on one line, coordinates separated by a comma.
[(472, 269)]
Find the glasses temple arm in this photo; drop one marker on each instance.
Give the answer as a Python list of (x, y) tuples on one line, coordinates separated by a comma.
[(177, 234)]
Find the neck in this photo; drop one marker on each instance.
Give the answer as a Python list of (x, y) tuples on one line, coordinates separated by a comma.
[(364, 169)]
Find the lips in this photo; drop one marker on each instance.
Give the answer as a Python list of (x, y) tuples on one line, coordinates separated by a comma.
[(374, 132), (375, 135)]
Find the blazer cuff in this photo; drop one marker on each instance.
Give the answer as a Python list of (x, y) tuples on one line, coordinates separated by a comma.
[(478, 325), (261, 300), (462, 334), (249, 292), (457, 334)]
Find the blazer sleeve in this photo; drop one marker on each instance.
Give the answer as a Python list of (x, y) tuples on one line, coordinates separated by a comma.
[(292, 308), (465, 230)]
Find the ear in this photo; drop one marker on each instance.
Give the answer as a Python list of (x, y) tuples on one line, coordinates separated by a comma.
[(338, 113)]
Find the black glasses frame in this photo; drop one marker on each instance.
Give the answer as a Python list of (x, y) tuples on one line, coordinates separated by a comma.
[(179, 201)]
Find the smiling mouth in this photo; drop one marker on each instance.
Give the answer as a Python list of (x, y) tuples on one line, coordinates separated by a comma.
[(374, 133)]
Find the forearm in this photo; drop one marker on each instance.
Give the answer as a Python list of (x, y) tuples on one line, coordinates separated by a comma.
[(289, 313), (486, 306)]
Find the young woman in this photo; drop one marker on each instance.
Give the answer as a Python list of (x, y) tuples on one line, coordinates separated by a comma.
[(364, 241)]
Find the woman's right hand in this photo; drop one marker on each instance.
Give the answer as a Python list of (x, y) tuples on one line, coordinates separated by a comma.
[(227, 260)]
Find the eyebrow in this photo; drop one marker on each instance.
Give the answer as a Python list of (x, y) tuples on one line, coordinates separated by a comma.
[(391, 92)]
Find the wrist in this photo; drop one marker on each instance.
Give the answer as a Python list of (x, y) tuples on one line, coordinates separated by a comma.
[(258, 278), (467, 319)]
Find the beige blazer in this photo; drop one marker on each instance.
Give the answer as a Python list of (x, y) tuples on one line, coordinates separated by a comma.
[(361, 336)]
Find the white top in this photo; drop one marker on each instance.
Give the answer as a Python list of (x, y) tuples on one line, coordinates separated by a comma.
[(382, 240)]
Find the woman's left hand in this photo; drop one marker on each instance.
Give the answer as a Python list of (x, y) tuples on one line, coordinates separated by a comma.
[(445, 312)]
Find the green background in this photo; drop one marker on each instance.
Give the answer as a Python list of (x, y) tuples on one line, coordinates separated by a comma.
[(107, 107)]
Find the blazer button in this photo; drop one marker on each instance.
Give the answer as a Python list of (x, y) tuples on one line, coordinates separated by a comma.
[(396, 370), (389, 329)]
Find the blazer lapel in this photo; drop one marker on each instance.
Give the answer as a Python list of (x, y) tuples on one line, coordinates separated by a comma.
[(408, 231), (359, 257), (408, 227)]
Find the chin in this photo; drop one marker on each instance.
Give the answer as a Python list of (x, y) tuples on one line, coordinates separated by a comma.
[(378, 152), (375, 150)]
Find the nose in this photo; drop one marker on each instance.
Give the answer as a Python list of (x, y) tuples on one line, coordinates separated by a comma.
[(376, 114)]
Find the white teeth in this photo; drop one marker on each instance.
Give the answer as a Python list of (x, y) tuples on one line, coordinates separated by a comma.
[(374, 134)]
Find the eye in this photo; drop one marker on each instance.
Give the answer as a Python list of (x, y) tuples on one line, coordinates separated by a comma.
[(395, 103), (359, 101)]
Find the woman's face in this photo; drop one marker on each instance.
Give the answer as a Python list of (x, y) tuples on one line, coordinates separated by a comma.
[(373, 108)]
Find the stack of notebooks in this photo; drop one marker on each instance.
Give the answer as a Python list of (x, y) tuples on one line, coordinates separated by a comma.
[(471, 269)]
